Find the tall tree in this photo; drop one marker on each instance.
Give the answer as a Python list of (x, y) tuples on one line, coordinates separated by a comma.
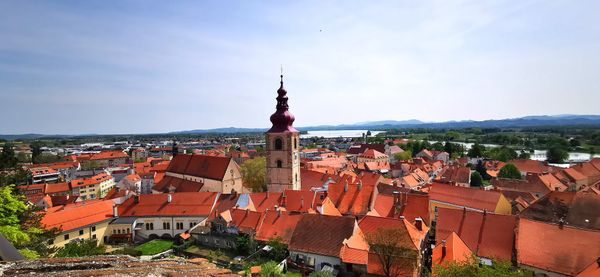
[(472, 268), (476, 151), (8, 158), (392, 249), (254, 172), (476, 180), (509, 171), (557, 154)]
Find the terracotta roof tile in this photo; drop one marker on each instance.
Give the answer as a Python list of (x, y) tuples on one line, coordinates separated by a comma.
[(456, 251), (487, 235), (465, 197), (77, 215), (551, 248), (277, 224), (307, 238), (182, 204)]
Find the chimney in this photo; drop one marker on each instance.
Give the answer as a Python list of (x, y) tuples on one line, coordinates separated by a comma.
[(346, 186), (136, 199), (115, 211), (283, 200), (396, 196), (301, 202), (395, 183), (278, 212), (598, 261), (247, 212), (443, 248), (267, 195), (169, 198), (401, 217), (359, 185), (561, 223)]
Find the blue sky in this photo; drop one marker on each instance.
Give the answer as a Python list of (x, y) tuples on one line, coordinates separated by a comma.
[(153, 66)]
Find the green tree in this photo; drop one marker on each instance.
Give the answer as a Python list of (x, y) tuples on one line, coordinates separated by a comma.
[(389, 245), (20, 224), (476, 180), (245, 245), (503, 153), (8, 158), (472, 268), (509, 171), (254, 172), (81, 248), (403, 156), (279, 250), (557, 154), (270, 269), (479, 167), (476, 151)]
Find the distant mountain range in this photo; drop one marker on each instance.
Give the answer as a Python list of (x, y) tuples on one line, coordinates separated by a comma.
[(527, 121)]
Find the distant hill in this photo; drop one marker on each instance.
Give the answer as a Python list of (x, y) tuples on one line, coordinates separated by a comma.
[(527, 121)]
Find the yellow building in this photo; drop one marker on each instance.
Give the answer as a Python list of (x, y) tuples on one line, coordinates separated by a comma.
[(95, 187), (474, 199), (79, 221)]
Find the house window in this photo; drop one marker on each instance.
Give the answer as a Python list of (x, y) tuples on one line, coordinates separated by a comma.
[(94, 236), (279, 164), (278, 144), (128, 231), (51, 242), (192, 224), (93, 228), (66, 237), (217, 242), (166, 226), (179, 225), (80, 232), (295, 143), (150, 226)]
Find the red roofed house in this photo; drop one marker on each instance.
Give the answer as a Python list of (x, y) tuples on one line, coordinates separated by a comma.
[(352, 198), (318, 239), (192, 173), (227, 225), (167, 215), (454, 197), (489, 236), (556, 249), (104, 159), (277, 224), (44, 174), (401, 204), (413, 237), (94, 187), (85, 220)]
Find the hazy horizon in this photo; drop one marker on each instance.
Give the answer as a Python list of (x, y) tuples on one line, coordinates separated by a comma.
[(123, 67)]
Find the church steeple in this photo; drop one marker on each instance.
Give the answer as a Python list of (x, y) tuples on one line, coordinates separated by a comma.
[(282, 119)]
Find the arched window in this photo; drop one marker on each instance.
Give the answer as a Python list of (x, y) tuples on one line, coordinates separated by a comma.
[(279, 164), (296, 176), (278, 144), (295, 143)]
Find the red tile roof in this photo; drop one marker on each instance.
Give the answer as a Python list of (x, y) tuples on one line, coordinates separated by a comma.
[(57, 188), (211, 167), (277, 224), (588, 170), (456, 251), (182, 204), (74, 216), (358, 149), (465, 197), (531, 166), (546, 246), (487, 235), (349, 198), (94, 180), (179, 185), (265, 200), (105, 155), (370, 224), (245, 221), (306, 238), (410, 206), (373, 154)]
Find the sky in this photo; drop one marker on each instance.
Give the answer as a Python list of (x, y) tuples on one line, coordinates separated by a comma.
[(108, 67)]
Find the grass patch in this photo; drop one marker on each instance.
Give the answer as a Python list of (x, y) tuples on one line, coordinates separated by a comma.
[(154, 246), (213, 254)]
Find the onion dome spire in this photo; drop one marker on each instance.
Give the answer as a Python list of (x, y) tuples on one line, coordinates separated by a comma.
[(282, 119)]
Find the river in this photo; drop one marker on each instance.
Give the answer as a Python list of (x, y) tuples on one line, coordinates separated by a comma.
[(338, 133)]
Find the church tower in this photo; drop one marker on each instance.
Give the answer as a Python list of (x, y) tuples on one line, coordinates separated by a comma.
[(282, 147)]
